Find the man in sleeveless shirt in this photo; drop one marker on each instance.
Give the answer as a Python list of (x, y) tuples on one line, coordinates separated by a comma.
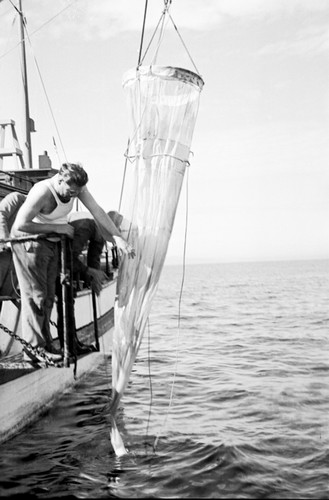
[(45, 212)]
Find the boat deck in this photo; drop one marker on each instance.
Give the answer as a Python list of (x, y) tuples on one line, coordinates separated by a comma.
[(13, 366)]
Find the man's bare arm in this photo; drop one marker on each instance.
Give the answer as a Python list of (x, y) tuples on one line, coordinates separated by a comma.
[(106, 226), (36, 201)]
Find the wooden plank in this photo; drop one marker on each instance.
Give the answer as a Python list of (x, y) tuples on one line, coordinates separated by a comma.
[(10, 152), (7, 122)]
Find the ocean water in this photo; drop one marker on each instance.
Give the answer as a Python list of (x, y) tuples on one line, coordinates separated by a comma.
[(229, 397)]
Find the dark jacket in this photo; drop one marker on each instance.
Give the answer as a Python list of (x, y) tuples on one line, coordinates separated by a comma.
[(86, 236)]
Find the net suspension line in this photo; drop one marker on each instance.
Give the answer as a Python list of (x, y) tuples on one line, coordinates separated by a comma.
[(165, 13), (164, 425)]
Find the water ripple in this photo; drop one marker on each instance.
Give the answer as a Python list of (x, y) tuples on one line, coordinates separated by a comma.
[(235, 396)]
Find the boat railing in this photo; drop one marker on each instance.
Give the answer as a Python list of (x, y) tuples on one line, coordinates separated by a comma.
[(66, 282), (69, 288)]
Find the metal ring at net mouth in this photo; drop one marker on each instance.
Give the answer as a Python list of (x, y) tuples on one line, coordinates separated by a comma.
[(165, 72)]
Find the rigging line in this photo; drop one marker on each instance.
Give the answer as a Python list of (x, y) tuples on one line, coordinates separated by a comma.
[(181, 39), (105, 362), (150, 378), (163, 155), (166, 11), (56, 151), (8, 9), (16, 8), (40, 27), (45, 91), (142, 35), (161, 35), (10, 34), (124, 175), (152, 37), (179, 317)]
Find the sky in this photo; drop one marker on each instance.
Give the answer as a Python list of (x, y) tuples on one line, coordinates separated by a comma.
[(258, 183)]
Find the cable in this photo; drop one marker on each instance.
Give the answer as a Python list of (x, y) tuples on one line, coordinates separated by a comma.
[(17, 10), (161, 21), (40, 27), (124, 175), (105, 359), (181, 39), (152, 37), (45, 92), (161, 35), (150, 378), (142, 35), (178, 323), (10, 34), (28, 37)]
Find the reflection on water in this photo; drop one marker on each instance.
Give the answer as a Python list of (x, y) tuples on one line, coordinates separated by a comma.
[(248, 415)]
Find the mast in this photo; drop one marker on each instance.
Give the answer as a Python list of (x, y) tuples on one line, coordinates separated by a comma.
[(28, 122)]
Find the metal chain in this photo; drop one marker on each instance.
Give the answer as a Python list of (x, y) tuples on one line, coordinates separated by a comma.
[(33, 350), (36, 351)]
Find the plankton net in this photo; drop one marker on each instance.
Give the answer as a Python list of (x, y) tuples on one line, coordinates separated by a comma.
[(163, 104)]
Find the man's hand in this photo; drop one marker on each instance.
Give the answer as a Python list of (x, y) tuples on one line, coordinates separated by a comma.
[(124, 246), (97, 278)]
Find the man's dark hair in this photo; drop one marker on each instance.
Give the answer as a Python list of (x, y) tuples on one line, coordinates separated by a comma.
[(74, 173)]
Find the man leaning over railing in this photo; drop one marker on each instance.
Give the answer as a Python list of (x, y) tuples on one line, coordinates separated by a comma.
[(45, 211)]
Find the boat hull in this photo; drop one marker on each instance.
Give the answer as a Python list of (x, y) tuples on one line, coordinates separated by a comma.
[(84, 318), (26, 398), (26, 392)]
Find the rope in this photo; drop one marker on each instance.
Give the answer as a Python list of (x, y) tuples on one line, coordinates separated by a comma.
[(45, 92), (181, 39), (150, 377), (178, 323), (152, 37), (40, 27), (156, 156), (10, 34), (106, 367), (15, 7), (161, 21), (161, 35), (124, 175), (56, 151), (27, 36), (142, 35)]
